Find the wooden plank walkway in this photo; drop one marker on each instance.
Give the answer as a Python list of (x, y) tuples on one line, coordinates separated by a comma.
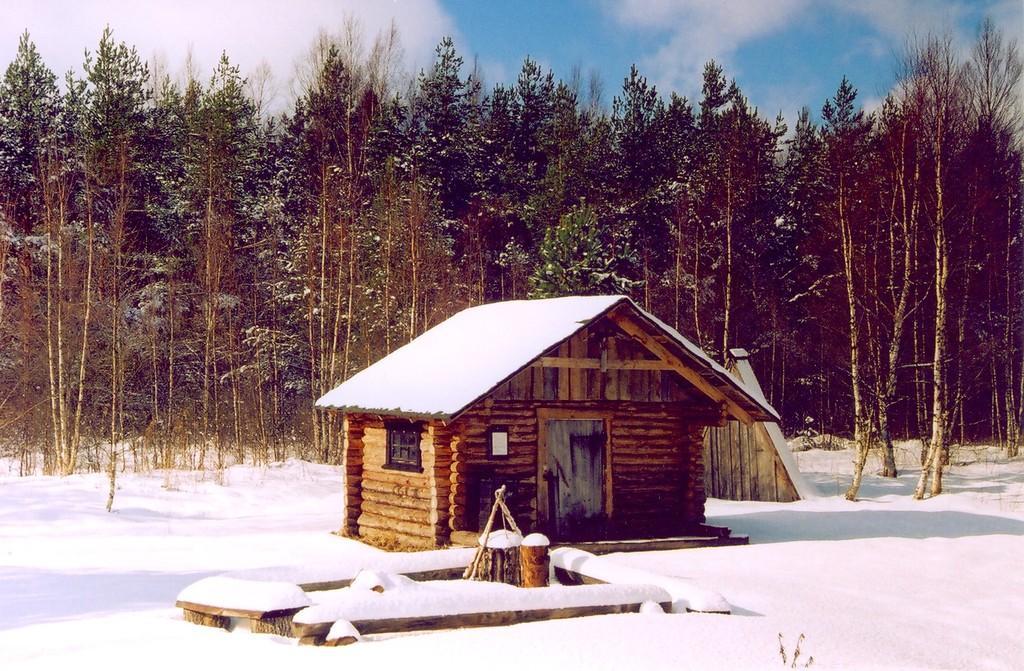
[(655, 544), (316, 633), (705, 536)]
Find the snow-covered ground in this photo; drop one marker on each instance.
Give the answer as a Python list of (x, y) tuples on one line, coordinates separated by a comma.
[(886, 582)]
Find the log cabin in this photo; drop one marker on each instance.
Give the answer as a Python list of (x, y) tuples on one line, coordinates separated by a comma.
[(590, 410)]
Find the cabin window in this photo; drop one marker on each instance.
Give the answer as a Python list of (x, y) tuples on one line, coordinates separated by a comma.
[(499, 441), (404, 446)]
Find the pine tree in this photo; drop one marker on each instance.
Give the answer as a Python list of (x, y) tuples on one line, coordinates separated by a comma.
[(440, 116), (637, 120), (576, 259)]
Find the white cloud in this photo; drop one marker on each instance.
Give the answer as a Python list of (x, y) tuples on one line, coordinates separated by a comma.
[(896, 19), (251, 32), (873, 104), (492, 71), (684, 34), (698, 31)]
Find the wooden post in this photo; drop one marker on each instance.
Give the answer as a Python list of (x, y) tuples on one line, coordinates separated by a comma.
[(206, 619), (534, 560), (500, 560)]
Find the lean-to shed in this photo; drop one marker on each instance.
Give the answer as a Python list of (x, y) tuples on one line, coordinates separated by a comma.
[(590, 410), (751, 462)]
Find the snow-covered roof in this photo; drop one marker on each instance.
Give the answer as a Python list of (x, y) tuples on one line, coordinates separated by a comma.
[(460, 360)]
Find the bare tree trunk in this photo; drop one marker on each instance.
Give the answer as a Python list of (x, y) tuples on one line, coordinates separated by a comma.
[(941, 82), (414, 224), (696, 285), (727, 309), (933, 467), (349, 303), (909, 231), (1014, 400), (5, 251), (860, 436), (236, 401), (678, 265), (389, 227), (169, 414), (111, 479), (53, 234)]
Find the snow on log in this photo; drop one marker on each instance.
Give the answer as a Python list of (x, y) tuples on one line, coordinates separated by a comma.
[(651, 608), (380, 581), (534, 562), (459, 597), (536, 540), (233, 594), (502, 539), (686, 596), (342, 633), (499, 561), (424, 565)]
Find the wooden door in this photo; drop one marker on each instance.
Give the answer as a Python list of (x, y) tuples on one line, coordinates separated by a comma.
[(575, 478)]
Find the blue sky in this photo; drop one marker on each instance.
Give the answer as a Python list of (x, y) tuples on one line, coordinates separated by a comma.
[(783, 53)]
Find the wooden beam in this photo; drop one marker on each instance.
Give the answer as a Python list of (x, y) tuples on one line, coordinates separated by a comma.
[(236, 612), (637, 332), (315, 633), (602, 364)]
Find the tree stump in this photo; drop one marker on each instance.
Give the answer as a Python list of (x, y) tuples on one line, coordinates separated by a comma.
[(500, 559), (534, 561)]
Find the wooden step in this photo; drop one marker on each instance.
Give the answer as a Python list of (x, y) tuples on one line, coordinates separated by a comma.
[(655, 544)]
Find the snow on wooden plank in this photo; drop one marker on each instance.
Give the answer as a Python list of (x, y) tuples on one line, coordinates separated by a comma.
[(233, 597), (342, 633), (424, 565), (461, 597), (685, 595)]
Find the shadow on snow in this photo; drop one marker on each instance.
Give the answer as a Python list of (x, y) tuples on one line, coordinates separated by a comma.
[(795, 525), (33, 596)]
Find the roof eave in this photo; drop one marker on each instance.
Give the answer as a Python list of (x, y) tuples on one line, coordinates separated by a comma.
[(386, 412), (730, 382)]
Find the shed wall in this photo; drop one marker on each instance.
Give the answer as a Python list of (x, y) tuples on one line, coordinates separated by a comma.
[(394, 507), (743, 465), (656, 476)]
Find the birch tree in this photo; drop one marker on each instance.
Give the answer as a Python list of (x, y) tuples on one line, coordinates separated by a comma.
[(939, 94), (847, 134)]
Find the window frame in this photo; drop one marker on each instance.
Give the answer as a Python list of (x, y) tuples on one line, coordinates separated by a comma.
[(403, 464), (500, 428)]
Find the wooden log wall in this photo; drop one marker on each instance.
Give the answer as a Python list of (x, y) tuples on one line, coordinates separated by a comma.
[(472, 466), (395, 507), (440, 478), (744, 466), (657, 474), (352, 460)]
